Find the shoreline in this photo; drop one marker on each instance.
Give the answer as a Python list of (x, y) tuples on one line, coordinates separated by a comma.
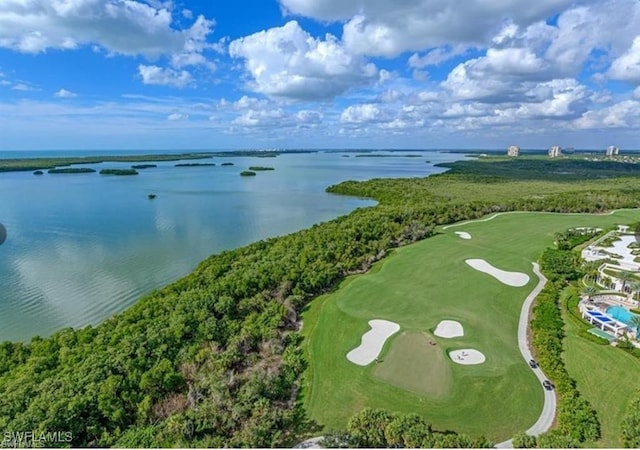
[(49, 162), (370, 203)]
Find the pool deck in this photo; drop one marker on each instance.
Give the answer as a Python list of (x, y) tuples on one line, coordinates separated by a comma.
[(601, 307)]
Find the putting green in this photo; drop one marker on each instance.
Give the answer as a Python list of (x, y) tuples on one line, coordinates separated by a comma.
[(414, 364), (417, 287)]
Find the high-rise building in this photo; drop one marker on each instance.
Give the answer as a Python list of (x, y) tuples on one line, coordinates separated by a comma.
[(555, 151), (513, 150), (612, 150)]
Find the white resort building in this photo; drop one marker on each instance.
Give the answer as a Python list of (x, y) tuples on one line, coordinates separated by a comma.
[(612, 150), (513, 150), (610, 307), (555, 151), (603, 321)]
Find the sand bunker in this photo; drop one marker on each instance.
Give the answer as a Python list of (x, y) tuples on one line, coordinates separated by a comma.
[(463, 234), (515, 279), (449, 329), (372, 342), (467, 357)]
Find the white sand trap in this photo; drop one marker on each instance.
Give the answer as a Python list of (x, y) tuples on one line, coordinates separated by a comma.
[(515, 279), (463, 234), (467, 357), (449, 329), (372, 342)]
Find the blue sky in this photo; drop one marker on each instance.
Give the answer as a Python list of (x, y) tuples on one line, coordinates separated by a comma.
[(135, 74)]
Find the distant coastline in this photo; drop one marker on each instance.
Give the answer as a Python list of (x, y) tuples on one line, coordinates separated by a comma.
[(44, 163)]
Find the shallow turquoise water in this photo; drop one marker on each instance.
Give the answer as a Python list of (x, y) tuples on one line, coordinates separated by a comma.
[(83, 247), (621, 314)]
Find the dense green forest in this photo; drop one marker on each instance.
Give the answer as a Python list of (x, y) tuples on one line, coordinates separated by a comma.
[(194, 164), (144, 166), (376, 428), (120, 172), (543, 168), (72, 170), (214, 359)]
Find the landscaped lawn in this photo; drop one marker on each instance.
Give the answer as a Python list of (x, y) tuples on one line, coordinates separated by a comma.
[(606, 377), (417, 287)]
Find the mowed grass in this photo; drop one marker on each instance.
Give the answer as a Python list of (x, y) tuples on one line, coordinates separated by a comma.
[(606, 376), (414, 364), (418, 286)]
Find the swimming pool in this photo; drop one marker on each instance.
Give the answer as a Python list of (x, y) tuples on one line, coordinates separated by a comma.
[(621, 314)]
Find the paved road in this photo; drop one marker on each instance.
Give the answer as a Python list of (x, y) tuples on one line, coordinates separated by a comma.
[(549, 409)]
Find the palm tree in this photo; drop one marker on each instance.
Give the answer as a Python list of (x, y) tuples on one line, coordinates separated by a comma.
[(589, 291), (635, 288), (625, 276), (635, 321)]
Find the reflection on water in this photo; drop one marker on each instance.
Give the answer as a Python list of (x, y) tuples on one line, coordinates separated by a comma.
[(81, 248)]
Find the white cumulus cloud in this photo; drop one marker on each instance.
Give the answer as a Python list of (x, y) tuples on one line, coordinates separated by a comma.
[(63, 93), (389, 28), (164, 76), (365, 113), (288, 62), (627, 66), (125, 27)]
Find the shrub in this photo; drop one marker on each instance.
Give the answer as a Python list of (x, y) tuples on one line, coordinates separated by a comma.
[(577, 420), (631, 424), (592, 337), (523, 440), (555, 439)]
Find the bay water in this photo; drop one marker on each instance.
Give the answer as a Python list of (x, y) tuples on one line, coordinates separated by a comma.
[(82, 247)]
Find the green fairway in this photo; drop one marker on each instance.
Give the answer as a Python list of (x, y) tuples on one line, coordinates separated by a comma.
[(414, 364), (417, 287), (606, 376)]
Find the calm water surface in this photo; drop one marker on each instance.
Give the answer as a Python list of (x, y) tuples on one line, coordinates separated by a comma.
[(83, 247)]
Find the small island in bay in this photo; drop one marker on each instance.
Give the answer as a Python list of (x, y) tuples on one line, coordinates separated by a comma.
[(194, 164), (247, 173), (151, 196), (38, 172), (72, 170), (227, 164), (118, 172), (144, 166), (259, 168)]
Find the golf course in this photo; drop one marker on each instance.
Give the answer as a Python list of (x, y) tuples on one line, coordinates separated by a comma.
[(442, 278)]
